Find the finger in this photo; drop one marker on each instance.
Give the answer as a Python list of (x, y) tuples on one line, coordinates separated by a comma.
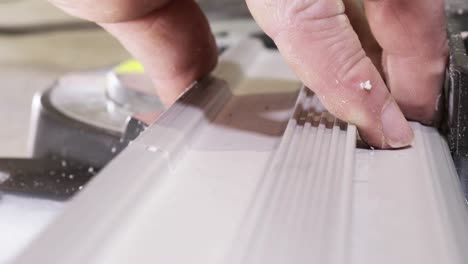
[(413, 36), (109, 10), (318, 42), (171, 38), (356, 16)]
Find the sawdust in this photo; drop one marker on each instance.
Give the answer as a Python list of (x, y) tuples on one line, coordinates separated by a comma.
[(366, 85)]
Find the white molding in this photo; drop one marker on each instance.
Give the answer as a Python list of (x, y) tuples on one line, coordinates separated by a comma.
[(199, 185)]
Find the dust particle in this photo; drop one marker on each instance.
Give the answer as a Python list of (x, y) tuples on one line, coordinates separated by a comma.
[(366, 85)]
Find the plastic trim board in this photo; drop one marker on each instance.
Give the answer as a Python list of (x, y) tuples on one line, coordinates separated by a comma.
[(252, 169), (301, 212), (409, 205)]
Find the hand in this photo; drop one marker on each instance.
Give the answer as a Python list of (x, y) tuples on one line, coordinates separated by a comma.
[(328, 43)]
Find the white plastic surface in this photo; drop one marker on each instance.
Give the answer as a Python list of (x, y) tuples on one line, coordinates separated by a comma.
[(21, 219), (181, 192)]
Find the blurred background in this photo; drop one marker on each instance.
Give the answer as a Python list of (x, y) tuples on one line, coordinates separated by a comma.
[(38, 43)]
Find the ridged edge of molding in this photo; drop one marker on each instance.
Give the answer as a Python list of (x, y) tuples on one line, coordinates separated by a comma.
[(302, 210)]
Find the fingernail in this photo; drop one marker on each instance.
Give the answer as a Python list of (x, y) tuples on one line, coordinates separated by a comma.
[(396, 129)]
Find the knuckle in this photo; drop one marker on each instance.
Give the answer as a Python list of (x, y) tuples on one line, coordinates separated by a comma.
[(341, 50), (311, 9), (345, 63)]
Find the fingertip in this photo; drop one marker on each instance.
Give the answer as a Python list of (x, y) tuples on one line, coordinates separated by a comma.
[(174, 43), (396, 129)]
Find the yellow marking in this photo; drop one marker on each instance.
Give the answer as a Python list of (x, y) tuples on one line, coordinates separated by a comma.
[(129, 67)]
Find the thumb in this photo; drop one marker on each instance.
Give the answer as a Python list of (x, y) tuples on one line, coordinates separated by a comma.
[(319, 43)]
